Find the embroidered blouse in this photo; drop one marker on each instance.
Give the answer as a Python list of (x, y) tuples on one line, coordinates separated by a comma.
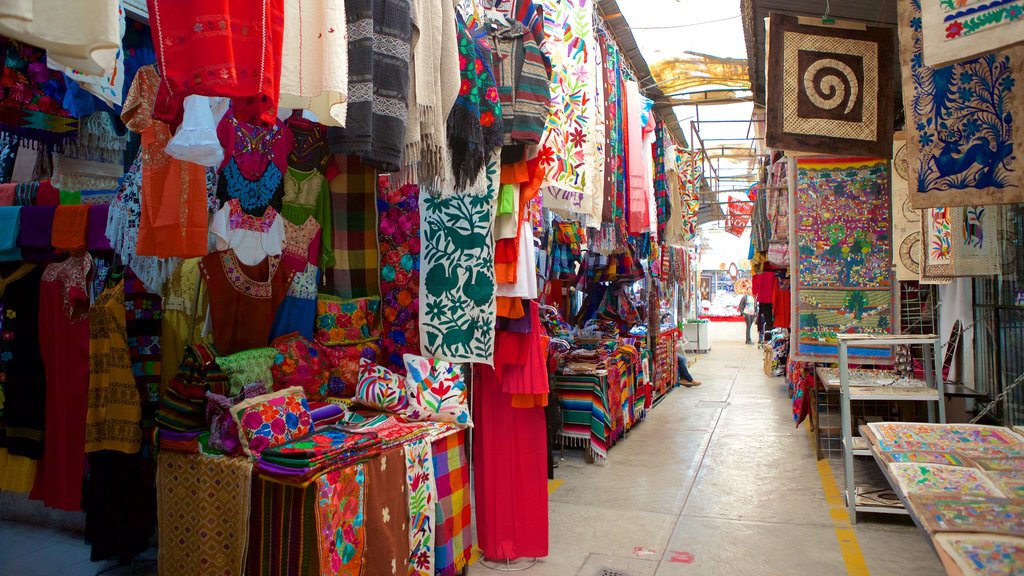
[(310, 149), (243, 299), (308, 194), (253, 146), (72, 274), (252, 238), (301, 244)]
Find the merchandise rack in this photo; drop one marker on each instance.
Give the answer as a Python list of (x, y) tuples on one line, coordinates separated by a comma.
[(931, 391)]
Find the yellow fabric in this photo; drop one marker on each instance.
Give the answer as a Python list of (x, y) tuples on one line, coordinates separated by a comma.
[(17, 473), (114, 411)]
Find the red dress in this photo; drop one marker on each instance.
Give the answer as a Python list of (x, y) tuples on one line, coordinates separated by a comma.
[(229, 48), (243, 299), (510, 458), (64, 342)]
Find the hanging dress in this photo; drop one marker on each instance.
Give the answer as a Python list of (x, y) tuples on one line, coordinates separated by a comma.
[(510, 454), (310, 151), (256, 158), (173, 220), (112, 420), (314, 71), (64, 340), (22, 382), (243, 299), (301, 244)]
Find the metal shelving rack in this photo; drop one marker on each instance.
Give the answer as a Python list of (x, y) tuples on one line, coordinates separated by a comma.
[(931, 391)]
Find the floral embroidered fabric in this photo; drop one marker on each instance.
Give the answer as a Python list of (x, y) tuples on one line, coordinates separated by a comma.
[(341, 535), (72, 274), (242, 282), (298, 362), (256, 193), (272, 420), (436, 391), (399, 243), (301, 243), (380, 388), (341, 321), (248, 367), (343, 366), (239, 220)]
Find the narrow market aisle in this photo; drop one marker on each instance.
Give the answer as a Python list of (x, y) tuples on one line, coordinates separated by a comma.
[(716, 481)]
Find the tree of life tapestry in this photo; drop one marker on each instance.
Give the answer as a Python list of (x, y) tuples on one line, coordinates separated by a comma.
[(457, 300), (841, 237), (963, 123)]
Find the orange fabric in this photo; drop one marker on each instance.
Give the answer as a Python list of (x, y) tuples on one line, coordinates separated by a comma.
[(506, 272), (514, 173), (509, 307), (173, 222), (529, 400), (70, 224)]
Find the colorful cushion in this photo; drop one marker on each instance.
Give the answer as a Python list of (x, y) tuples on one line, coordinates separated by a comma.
[(380, 388), (341, 321), (272, 420), (299, 362), (247, 367), (343, 366), (436, 391)]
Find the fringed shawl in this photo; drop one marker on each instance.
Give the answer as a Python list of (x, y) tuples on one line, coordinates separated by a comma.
[(379, 36)]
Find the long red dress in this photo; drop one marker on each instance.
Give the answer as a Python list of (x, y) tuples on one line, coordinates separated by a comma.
[(510, 457), (64, 342)]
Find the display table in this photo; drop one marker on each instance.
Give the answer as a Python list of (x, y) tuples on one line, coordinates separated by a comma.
[(219, 514), (963, 485), (697, 335)]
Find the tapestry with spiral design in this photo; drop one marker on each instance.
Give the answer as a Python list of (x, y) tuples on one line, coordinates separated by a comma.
[(830, 88)]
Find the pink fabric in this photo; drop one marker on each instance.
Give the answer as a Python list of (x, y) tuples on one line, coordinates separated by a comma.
[(639, 216), (510, 455), (763, 287), (7, 194)]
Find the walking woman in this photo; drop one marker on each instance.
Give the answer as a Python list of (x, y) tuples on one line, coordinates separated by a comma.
[(748, 307)]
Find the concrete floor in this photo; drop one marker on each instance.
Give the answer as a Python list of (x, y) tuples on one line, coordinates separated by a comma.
[(716, 481)]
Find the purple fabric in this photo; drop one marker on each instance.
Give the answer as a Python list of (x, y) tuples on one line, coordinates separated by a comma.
[(327, 412), (278, 470), (96, 234), (174, 436), (34, 236), (518, 325)]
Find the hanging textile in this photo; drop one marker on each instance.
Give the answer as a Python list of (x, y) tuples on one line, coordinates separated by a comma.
[(203, 512), (454, 535), (509, 471), (457, 304), (231, 48), (353, 202), (283, 534), (379, 39), (473, 114), (114, 413), (960, 241), (31, 95), (661, 191), (387, 520), (341, 520), (419, 476), (957, 154), (398, 212), (23, 405), (64, 340), (570, 143), (173, 217), (314, 71)]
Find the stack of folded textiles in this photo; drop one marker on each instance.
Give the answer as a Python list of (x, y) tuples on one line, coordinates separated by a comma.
[(305, 457)]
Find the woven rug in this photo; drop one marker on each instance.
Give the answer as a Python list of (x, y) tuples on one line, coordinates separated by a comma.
[(829, 88), (398, 238), (453, 543), (457, 303), (282, 530), (387, 520), (203, 513), (354, 216), (419, 477), (959, 153), (841, 238), (585, 417)]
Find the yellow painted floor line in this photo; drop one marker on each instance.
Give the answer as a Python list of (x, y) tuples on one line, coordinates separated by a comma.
[(853, 558), (554, 485)]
